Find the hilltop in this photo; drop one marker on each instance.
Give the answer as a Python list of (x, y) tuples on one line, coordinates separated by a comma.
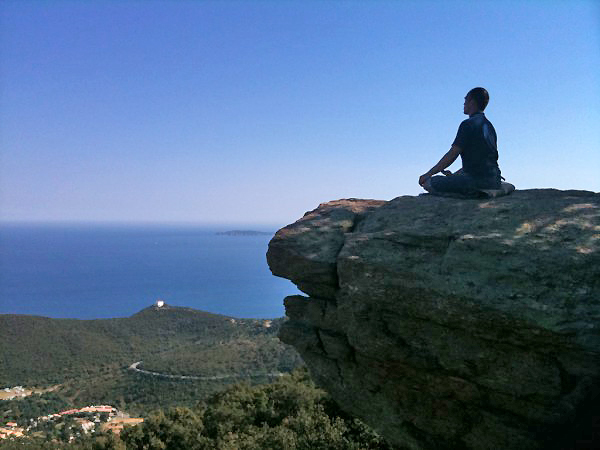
[(90, 359), (39, 348)]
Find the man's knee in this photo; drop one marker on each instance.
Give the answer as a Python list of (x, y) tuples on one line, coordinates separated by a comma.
[(427, 185)]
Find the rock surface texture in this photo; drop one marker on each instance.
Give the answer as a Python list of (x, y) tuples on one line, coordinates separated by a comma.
[(446, 323)]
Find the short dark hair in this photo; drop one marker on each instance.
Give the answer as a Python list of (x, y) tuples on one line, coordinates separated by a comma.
[(481, 97)]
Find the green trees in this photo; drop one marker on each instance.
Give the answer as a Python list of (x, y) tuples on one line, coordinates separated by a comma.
[(177, 428), (290, 413)]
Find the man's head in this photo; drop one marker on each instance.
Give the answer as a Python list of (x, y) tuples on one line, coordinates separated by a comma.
[(476, 100)]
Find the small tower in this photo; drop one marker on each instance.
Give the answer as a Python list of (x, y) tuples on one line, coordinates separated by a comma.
[(159, 303)]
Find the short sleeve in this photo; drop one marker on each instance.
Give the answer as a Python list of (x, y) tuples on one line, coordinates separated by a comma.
[(462, 135)]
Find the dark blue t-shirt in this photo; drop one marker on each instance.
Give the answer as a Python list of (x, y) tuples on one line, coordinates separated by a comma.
[(476, 138)]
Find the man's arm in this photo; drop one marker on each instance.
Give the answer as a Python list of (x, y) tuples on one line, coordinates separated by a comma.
[(446, 161)]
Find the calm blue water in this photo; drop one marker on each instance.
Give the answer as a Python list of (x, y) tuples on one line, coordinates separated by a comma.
[(98, 271)]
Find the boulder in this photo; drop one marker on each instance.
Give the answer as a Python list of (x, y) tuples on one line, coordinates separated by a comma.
[(452, 323)]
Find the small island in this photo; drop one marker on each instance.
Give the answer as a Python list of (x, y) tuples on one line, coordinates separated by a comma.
[(245, 233)]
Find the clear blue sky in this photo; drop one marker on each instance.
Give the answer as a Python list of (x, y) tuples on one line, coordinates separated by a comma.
[(257, 111)]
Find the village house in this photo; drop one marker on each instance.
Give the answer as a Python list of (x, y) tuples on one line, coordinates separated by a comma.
[(85, 424), (11, 430)]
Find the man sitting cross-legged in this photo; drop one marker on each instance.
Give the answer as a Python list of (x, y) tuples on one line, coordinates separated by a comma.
[(476, 144)]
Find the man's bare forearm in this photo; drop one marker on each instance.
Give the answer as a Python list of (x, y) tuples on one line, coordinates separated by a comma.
[(446, 161)]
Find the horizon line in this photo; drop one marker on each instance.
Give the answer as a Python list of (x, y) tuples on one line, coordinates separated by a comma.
[(137, 222)]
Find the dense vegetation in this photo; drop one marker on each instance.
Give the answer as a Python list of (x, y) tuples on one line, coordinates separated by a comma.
[(290, 413), (259, 354), (38, 350), (287, 414), (90, 358)]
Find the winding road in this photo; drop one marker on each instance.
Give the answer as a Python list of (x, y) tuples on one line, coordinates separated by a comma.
[(135, 368)]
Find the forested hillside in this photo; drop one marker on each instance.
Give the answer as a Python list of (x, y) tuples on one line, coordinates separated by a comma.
[(39, 350), (90, 359)]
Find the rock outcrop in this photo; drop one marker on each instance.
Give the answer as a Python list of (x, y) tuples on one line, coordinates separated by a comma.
[(446, 323)]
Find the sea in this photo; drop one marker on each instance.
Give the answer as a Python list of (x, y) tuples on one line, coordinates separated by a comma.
[(92, 271)]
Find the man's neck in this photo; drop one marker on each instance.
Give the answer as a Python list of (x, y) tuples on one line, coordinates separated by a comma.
[(475, 113)]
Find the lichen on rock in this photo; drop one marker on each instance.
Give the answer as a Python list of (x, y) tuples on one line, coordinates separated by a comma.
[(448, 323)]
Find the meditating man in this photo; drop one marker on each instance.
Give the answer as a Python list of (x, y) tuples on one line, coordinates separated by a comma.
[(476, 144)]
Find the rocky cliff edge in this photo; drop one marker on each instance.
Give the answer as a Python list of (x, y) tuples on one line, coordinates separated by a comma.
[(447, 323)]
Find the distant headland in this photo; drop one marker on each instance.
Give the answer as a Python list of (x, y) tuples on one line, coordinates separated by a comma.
[(245, 233)]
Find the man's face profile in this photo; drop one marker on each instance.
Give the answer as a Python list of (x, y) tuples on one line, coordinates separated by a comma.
[(467, 105)]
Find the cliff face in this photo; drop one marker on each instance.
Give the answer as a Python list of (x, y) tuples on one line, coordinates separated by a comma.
[(448, 323)]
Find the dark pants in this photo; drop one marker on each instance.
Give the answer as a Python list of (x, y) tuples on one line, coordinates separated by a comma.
[(461, 183)]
